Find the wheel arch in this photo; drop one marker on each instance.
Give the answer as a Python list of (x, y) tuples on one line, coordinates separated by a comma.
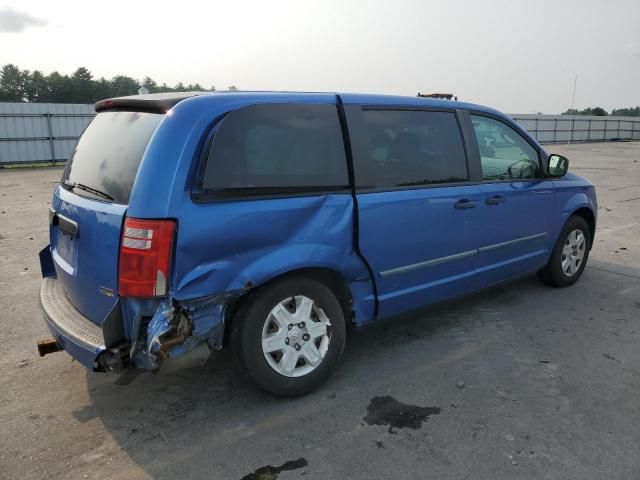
[(570, 204), (335, 280), (587, 214), (329, 277)]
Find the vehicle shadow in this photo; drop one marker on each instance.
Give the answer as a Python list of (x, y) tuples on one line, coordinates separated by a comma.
[(198, 419)]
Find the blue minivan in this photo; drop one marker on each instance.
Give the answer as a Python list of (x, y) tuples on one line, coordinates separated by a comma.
[(269, 223)]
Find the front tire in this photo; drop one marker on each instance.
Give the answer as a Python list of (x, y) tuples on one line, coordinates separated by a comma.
[(570, 254), (288, 337)]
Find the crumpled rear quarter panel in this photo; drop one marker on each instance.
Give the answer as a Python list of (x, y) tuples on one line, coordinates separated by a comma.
[(234, 245)]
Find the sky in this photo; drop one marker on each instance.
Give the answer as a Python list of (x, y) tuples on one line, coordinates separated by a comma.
[(519, 56)]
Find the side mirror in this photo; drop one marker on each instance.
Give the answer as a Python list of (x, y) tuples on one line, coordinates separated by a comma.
[(557, 165)]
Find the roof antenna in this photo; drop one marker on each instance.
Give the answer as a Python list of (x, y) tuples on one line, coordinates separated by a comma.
[(441, 96)]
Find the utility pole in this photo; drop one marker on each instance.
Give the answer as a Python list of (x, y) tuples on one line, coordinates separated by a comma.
[(573, 101)]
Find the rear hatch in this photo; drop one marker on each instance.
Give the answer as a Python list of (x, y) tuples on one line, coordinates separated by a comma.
[(89, 206)]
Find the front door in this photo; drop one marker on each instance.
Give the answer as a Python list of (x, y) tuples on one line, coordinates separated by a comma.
[(415, 204), (516, 206)]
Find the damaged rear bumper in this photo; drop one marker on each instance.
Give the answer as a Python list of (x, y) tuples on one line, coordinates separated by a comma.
[(139, 334), (178, 327)]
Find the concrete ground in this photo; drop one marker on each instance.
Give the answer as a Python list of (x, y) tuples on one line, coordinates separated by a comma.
[(521, 381)]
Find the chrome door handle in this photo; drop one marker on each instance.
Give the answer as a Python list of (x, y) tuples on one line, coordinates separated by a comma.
[(464, 204), (495, 200)]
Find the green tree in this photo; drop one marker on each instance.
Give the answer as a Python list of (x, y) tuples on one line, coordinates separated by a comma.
[(102, 89), (82, 86), (122, 86), (627, 112), (82, 74), (35, 86), (597, 111), (58, 90), (11, 84), (150, 84)]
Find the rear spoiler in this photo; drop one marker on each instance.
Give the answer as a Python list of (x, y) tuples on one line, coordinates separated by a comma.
[(153, 103)]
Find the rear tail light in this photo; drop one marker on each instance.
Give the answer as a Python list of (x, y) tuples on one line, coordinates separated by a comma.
[(145, 257)]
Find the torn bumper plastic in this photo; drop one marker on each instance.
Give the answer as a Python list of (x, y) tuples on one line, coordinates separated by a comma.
[(179, 327), (123, 339)]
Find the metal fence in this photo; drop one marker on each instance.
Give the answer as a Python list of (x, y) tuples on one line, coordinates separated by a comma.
[(40, 132), (576, 128), (47, 132)]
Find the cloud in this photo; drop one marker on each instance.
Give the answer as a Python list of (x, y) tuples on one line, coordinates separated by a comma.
[(14, 21)]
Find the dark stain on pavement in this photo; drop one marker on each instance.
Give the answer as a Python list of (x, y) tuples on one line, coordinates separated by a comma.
[(386, 410), (269, 472)]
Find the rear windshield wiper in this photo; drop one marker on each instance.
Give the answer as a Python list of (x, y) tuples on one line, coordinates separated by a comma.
[(86, 188)]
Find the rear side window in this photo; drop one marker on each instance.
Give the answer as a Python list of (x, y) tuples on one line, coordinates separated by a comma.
[(108, 154), (277, 147), (404, 148)]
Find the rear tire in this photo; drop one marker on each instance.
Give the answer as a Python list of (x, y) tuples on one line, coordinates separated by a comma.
[(288, 337), (570, 254)]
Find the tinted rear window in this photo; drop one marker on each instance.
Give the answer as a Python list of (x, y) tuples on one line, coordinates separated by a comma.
[(109, 152), (403, 148), (277, 147)]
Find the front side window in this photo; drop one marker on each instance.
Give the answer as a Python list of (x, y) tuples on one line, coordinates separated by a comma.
[(403, 148), (275, 146), (504, 153)]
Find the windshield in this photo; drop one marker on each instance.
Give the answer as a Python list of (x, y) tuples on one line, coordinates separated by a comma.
[(108, 154)]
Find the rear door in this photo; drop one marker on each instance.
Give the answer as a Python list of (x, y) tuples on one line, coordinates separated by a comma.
[(89, 206), (415, 204), (517, 202)]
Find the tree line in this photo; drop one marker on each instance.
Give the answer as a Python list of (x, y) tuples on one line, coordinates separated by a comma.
[(601, 112), (81, 87)]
